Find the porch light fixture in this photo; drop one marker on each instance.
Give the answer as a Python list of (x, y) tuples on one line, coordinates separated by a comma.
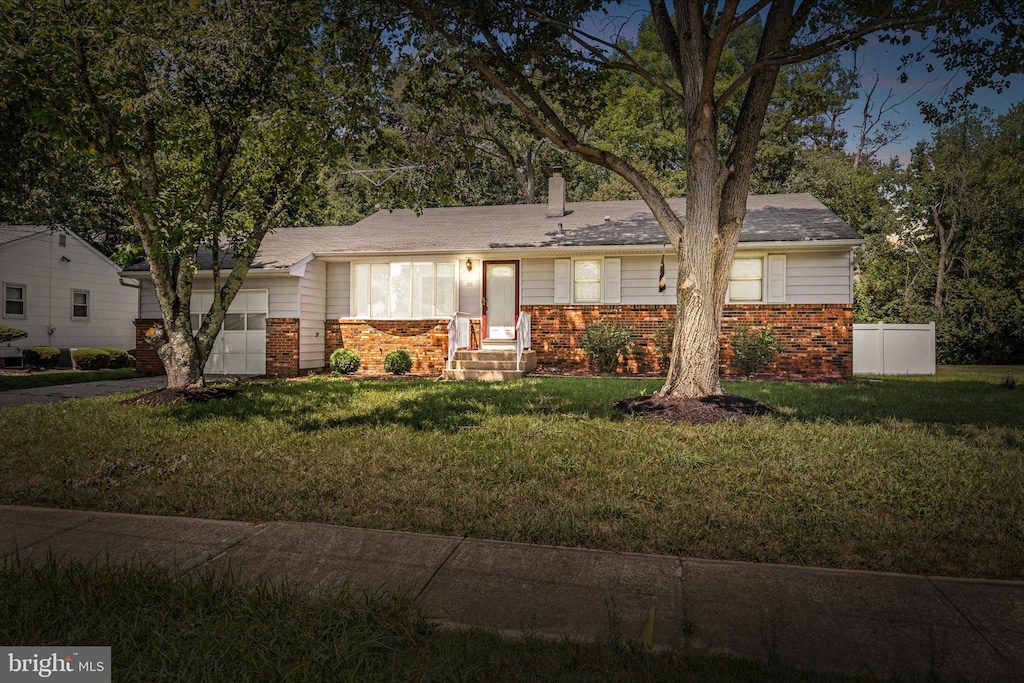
[(469, 265)]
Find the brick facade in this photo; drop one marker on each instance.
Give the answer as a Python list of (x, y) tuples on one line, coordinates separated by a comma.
[(282, 348), (818, 338), (425, 340)]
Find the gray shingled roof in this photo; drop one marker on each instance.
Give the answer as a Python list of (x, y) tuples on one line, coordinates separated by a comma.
[(770, 218), (9, 233)]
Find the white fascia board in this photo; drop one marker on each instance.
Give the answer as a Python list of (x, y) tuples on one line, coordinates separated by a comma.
[(299, 269), (145, 274), (555, 252)]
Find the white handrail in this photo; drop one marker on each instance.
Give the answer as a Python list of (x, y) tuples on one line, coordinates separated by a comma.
[(458, 335), (522, 337)]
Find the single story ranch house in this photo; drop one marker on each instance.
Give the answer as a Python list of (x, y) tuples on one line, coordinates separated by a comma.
[(508, 278)]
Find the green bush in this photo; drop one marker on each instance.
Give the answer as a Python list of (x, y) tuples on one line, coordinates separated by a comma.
[(91, 359), (663, 344), (398, 362), (41, 357), (754, 349), (604, 342), (9, 334), (344, 361), (119, 358)]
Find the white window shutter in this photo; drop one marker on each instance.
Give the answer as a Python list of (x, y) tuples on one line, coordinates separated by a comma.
[(612, 280), (563, 280), (776, 278)]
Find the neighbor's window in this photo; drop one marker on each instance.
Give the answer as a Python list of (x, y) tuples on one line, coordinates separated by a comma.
[(745, 283), (14, 300), (79, 304), (404, 290), (587, 281)]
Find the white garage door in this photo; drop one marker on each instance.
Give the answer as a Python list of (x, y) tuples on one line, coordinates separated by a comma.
[(241, 346)]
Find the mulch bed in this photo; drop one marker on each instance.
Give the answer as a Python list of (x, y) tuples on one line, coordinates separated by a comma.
[(693, 410), (177, 397)]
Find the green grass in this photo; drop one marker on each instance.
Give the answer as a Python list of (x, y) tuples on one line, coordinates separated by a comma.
[(51, 378), (920, 475), (208, 627)]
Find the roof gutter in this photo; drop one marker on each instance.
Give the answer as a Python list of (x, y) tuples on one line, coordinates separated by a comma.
[(610, 248)]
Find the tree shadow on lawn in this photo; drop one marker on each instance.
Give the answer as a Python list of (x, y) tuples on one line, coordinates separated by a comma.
[(428, 405), (946, 402), (422, 405)]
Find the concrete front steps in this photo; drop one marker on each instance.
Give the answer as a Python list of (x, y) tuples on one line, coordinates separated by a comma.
[(489, 365)]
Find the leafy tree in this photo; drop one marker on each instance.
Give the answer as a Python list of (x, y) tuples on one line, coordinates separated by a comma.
[(541, 57), (207, 118)]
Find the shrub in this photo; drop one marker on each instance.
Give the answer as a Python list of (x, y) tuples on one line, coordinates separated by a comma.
[(9, 334), (398, 362), (1009, 381), (344, 361), (754, 349), (41, 356), (119, 358), (663, 344), (91, 359), (604, 342)]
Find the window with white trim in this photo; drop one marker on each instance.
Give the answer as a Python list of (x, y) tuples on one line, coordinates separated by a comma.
[(404, 290), (14, 300), (587, 281), (79, 304), (746, 281)]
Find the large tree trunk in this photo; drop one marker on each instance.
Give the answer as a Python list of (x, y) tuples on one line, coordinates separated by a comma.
[(182, 357)]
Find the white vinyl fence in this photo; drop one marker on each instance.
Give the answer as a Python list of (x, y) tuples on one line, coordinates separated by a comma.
[(888, 349)]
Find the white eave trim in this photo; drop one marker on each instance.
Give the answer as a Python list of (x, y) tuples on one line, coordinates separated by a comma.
[(145, 274), (625, 249)]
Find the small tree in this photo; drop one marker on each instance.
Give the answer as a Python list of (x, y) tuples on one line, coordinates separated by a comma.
[(605, 342), (208, 118)]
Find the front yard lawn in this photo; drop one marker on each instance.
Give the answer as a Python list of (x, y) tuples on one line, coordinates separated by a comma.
[(51, 378), (911, 475)]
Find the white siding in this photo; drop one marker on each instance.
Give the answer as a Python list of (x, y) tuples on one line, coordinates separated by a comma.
[(284, 294), (312, 311), (470, 287), (640, 279), (818, 277), (36, 262), (339, 285), (537, 280)]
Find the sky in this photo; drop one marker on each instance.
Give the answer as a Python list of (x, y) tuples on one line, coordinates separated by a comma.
[(874, 57)]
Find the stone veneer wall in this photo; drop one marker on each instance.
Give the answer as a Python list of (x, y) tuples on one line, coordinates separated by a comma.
[(425, 340), (282, 348), (818, 337)]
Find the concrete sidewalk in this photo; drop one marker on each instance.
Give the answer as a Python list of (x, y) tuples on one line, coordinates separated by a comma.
[(65, 392), (824, 619)]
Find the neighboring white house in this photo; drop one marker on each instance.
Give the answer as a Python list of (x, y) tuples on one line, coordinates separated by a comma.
[(396, 279), (63, 292)]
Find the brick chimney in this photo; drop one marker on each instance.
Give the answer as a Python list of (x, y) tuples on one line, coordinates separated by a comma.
[(556, 193)]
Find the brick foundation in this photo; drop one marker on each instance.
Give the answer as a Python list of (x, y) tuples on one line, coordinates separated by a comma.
[(425, 340), (282, 348), (818, 338)]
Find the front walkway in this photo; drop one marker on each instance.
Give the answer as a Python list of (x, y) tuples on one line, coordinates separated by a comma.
[(64, 392), (823, 619)]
